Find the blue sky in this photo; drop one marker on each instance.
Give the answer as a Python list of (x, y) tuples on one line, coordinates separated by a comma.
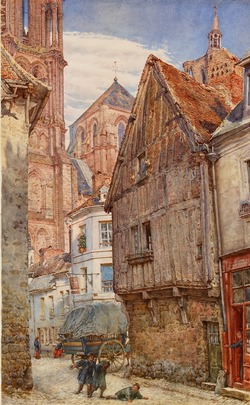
[(100, 32)]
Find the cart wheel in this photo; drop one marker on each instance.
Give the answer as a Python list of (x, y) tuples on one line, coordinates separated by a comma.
[(112, 351)]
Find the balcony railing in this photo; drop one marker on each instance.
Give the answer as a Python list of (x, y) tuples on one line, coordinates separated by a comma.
[(107, 286), (140, 257)]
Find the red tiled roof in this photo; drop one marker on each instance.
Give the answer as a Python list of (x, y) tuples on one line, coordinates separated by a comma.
[(202, 106)]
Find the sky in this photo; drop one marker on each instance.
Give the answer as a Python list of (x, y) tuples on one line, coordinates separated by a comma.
[(104, 39)]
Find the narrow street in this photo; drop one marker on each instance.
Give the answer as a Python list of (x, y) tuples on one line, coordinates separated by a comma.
[(55, 383)]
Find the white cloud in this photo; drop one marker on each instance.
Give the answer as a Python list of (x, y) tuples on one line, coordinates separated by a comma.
[(90, 69)]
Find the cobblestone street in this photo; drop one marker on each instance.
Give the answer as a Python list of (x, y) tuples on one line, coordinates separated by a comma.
[(55, 383)]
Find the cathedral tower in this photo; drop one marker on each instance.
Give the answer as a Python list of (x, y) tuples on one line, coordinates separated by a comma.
[(215, 35), (32, 32), (218, 66)]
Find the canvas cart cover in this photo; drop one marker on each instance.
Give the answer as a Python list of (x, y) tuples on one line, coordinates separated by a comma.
[(97, 318)]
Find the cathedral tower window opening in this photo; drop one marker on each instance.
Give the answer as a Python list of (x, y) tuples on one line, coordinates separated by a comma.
[(121, 131), (25, 9)]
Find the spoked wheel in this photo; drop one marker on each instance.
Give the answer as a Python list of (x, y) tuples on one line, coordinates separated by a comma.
[(112, 351)]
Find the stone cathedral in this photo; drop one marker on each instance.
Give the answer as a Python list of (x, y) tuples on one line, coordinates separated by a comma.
[(32, 32)]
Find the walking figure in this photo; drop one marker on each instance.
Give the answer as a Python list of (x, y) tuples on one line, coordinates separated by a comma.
[(99, 380), (85, 375), (37, 348)]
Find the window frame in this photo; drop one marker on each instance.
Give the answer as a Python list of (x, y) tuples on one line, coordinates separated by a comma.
[(109, 231)]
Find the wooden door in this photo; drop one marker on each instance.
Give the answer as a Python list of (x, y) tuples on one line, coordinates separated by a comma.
[(246, 347), (214, 350)]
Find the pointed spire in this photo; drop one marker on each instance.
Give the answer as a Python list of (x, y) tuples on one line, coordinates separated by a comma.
[(216, 19), (215, 35), (115, 69)]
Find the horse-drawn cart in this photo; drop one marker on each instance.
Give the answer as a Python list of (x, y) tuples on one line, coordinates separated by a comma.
[(99, 327)]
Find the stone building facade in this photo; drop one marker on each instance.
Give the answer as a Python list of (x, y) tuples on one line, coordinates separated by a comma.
[(230, 155), (23, 98), (91, 276), (164, 241), (49, 298), (95, 138), (218, 67), (32, 32)]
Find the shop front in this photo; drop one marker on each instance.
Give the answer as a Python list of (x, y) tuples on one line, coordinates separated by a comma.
[(236, 340)]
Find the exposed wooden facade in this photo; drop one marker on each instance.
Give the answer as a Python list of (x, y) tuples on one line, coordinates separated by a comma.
[(164, 236)]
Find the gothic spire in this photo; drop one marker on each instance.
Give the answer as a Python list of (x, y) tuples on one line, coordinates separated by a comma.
[(215, 35)]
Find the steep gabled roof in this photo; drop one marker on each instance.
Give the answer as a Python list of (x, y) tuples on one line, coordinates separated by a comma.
[(200, 108), (115, 96)]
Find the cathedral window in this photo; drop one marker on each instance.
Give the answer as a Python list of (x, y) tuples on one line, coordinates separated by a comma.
[(35, 194), (95, 128), (25, 17), (82, 136), (121, 131)]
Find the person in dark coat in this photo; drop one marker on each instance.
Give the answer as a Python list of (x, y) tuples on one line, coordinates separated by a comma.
[(37, 348), (128, 394), (99, 380), (85, 375), (239, 344)]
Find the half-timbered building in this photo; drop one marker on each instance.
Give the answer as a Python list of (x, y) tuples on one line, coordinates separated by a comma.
[(164, 236)]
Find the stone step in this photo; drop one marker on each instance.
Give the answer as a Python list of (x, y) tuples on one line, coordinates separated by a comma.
[(235, 393), (208, 385)]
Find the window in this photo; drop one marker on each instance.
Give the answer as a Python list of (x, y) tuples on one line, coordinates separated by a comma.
[(121, 131), (248, 174), (95, 128), (25, 17), (107, 278), (51, 307), (135, 239), (82, 136), (147, 244), (241, 286), (105, 234), (42, 308), (84, 280)]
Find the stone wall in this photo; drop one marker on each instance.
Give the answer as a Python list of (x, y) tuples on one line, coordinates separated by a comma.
[(168, 348), (16, 360)]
